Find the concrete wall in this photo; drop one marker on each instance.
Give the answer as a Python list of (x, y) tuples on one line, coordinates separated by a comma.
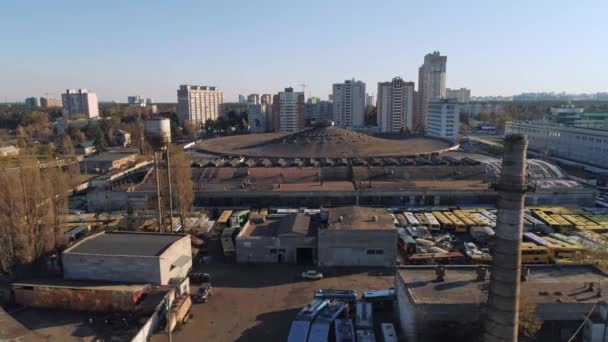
[(81, 299), (405, 310), (181, 248), (346, 247), (119, 200), (153, 323), (256, 249), (121, 268)]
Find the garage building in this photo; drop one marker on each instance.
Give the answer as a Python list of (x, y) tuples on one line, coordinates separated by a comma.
[(129, 257), (281, 239), (357, 236)]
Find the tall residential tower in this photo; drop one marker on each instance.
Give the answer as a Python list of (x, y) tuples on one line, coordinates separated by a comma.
[(395, 105), (197, 104), (79, 102), (349, 104), (431, 85), (288, 111)]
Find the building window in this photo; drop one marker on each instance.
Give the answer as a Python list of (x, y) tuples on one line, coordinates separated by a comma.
[(375, 251)]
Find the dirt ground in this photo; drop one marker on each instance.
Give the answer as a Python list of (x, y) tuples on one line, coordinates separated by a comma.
[(259, 302)]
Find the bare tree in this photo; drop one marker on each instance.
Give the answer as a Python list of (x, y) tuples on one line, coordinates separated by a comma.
[(181, 182), (32, 205)]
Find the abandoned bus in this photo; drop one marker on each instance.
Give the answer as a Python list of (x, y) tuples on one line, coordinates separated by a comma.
[(411, 219), (459, 226), (433, 223), (443, 220), (422, 219), (532, 253)]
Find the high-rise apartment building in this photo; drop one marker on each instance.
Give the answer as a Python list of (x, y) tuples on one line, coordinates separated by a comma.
[(431, 85), (462, 95), (288, 111), (32, 102), (443, 118), (47, 102), (80, 102), (253, 99), (197, 104), (136, 101), (349, 104), (258, 118), (317, 110), (395, 105), (266, 99), (369, 100)]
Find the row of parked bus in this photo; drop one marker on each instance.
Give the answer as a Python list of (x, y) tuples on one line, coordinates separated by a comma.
[(228, 226), (459, 221)]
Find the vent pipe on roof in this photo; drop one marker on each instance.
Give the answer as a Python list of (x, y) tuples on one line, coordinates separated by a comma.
[(503, 298)]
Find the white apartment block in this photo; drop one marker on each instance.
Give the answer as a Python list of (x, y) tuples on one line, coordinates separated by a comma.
[(288, 111), (443, 119), (395, 105), (349, 104), (79, 102), (431, 84), (579, 144), (462, 95), (197, 104)]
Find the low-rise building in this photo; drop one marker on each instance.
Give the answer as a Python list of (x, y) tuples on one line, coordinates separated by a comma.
[(285, 239), (357, 236), (554, 292), (579, 144), (85, 148), (129, 257), (106, 161)]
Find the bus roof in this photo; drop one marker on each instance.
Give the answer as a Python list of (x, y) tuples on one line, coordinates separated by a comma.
[(224, 216)]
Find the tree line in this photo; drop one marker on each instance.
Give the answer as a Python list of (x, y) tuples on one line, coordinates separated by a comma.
[(33, 203)]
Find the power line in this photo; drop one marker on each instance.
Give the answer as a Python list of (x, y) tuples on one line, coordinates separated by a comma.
[(582, 324)]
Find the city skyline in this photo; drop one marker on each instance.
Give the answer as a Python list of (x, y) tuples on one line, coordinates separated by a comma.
[(64, 46)]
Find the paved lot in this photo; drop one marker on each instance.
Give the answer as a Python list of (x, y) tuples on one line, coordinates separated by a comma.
[(258, 302)]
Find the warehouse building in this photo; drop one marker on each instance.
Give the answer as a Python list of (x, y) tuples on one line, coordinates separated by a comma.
[(286, 239), (357, 236), (558, 295), (107, 161), (129, 257)]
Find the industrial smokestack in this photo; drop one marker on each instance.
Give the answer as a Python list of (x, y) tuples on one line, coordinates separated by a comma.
[(503, 299)]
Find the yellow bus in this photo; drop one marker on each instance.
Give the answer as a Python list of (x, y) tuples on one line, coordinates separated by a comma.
[(466, 220), (578, 220), (560, 249), (562, 223), (459, 226), (532, 253), (445, 222), (224, 220)]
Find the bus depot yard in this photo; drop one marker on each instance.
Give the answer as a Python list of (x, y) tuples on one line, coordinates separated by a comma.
[(254, 261)]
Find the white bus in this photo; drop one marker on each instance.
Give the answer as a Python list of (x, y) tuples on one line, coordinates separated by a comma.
[(433, 223), (413, 221)]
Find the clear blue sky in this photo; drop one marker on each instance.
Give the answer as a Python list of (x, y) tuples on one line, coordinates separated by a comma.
[(120, 48)]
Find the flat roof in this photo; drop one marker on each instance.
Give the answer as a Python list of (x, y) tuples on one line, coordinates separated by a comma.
[(110, 156), (288, 225), (359, 218), (81, 284), (125, 243), (545, 284)]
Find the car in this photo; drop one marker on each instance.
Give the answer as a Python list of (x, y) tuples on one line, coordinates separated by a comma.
[(202, 293), (312, 275), (199, 277)]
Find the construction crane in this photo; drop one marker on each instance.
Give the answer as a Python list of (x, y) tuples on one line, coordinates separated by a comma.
[(304, 86)]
